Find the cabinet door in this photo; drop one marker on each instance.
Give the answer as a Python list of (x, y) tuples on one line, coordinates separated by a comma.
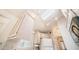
[(6, 24)]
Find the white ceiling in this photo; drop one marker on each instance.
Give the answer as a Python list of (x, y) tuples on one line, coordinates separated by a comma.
[(45, 18)]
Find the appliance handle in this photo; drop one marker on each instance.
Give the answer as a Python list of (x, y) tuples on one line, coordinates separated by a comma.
[(73, 26)]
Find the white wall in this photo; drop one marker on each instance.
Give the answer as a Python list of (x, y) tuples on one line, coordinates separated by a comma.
[(26, 30)]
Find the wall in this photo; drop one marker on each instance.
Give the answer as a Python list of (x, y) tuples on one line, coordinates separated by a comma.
[(26, 32)]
